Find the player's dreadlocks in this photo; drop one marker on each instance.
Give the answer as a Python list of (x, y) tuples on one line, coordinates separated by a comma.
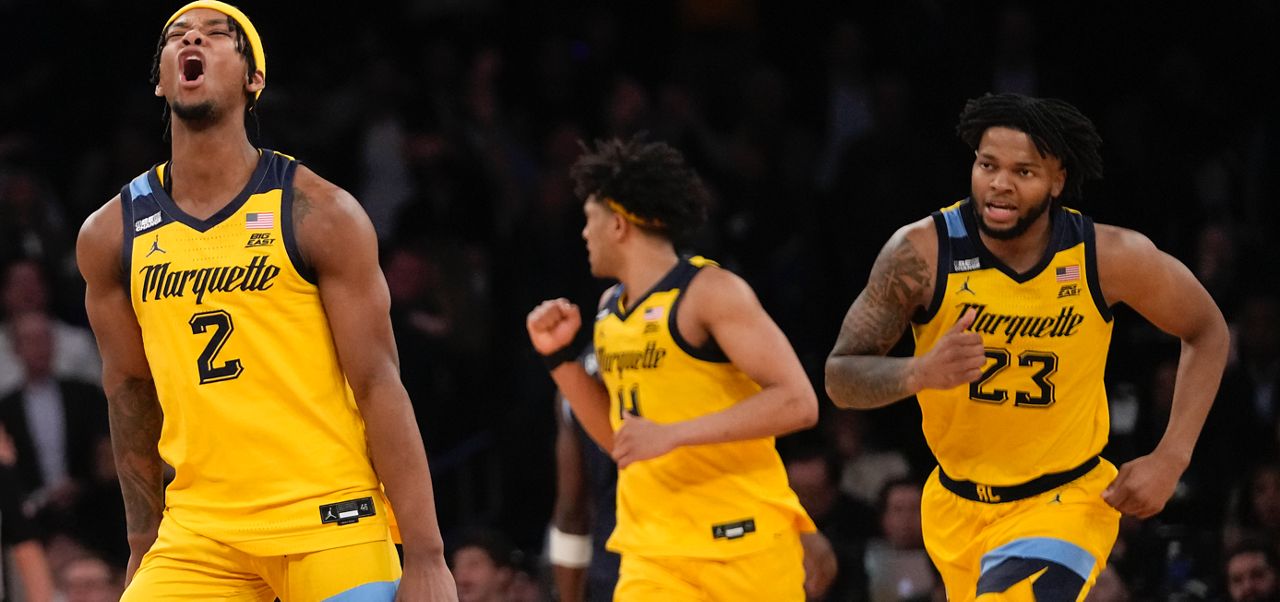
[(1056, 127), (648, 180), (242, 46)]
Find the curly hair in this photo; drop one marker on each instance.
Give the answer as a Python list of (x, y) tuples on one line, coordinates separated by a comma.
[(1055, 126), (242, 46), (649, 180)]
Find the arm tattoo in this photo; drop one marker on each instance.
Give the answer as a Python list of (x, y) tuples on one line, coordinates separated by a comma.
[(301, 207), (135, 430), (857, 375)]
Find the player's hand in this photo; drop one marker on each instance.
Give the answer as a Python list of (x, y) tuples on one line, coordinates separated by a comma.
[(641, 439), (427, 580), (552, 325), (956, 359), (819, 564), (1144, 485)]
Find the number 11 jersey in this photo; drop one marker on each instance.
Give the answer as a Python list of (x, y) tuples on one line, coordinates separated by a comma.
[(1040, 405), (700, 501), (260, 425)]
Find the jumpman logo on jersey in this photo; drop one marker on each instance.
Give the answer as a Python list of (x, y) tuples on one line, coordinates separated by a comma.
[(155, 247), (964, 288), (1057, 499), (328, 515)]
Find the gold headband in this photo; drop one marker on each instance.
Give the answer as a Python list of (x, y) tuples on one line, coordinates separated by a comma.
[(617, 207)]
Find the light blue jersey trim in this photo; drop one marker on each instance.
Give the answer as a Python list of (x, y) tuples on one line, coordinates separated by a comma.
[(140, 186), (1065, 553), (383, 591), (955, 224)]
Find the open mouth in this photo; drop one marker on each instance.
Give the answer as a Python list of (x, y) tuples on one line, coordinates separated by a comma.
[(1000, 211), (192, 69)]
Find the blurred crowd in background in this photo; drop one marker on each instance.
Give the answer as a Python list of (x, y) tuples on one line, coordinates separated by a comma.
[(821, 127)]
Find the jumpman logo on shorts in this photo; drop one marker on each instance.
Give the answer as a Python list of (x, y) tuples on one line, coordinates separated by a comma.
[(964, 288), (155, 247)]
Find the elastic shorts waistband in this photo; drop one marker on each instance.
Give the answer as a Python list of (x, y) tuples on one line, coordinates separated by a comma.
[(992, 494)]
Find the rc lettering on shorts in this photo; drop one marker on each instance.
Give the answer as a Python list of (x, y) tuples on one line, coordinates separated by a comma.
[(345, 513), (259, 239), (733, 530)]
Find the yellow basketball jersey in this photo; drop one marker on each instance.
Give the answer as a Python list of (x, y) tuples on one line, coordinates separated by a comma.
[(706, 501), (259, 423), (1040, 405)]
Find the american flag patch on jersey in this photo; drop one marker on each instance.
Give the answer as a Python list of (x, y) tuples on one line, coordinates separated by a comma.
[(263, 220), (1069, 273)]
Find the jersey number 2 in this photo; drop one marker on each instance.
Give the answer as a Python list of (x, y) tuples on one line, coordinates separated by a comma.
[(222, 326), (1048, 363)]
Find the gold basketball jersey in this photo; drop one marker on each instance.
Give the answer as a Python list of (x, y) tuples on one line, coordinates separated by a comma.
[(1040, 405), (705, 501), (259, 423)]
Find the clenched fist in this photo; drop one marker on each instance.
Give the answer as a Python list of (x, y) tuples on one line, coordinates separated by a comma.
[(552, 325), (956, 359)]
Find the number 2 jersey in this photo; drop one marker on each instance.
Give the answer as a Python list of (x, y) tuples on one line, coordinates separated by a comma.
[(1040, 405), (704, 501), (259, 422)]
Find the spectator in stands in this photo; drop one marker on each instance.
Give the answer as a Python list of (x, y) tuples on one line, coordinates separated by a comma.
[(898, 567), (88, 579), (846, 522), (484, 567), (1251, 573), (18, 535), (55, 422), (25, 288)]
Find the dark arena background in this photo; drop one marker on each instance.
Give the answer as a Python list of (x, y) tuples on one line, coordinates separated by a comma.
[(820, 126)]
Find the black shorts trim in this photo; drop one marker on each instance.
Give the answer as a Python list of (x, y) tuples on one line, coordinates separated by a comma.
[(991, 494)]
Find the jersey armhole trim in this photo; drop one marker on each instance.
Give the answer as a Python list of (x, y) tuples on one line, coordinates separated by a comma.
[(1091, 273), (709, 352), (941, 272), (126, 242), (286, 226)]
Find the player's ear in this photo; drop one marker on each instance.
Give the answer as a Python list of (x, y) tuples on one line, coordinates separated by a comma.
[(618, 225), (1059, 182), (255, 82)]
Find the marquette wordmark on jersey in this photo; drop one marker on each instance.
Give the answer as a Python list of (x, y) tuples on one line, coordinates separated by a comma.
[(1064, 324), (160, 282), (650, 358)]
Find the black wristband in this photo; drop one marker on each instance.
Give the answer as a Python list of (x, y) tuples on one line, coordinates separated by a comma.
[(568, 353)]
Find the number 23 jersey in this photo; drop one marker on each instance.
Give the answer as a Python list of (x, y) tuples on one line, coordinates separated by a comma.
[(259, 423), (1040, 405)]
